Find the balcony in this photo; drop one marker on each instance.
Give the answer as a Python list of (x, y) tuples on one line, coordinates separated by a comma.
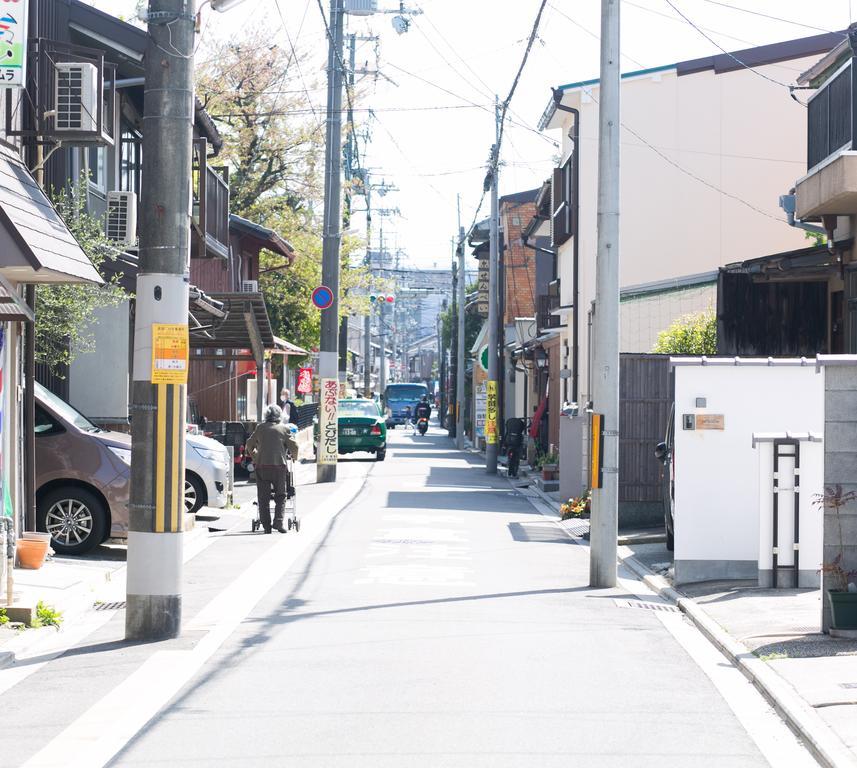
[(830, 185), (210, 206), (544, 307)]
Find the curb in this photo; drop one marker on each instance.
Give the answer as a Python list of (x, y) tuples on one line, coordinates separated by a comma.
[(816, 734)]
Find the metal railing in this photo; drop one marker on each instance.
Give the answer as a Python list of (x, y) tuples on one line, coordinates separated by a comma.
[(544, 306), (306, 413)]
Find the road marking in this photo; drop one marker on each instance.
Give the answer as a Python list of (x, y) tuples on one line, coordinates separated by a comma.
[(86, 743)]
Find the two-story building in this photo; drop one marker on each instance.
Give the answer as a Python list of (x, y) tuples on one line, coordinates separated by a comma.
[(708, 147)]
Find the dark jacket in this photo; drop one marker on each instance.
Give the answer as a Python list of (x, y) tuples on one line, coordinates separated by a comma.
[(269, 444), (422, 410), (290, 410)]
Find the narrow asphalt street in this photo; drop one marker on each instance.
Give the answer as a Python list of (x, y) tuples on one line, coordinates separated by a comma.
[(439, 620)]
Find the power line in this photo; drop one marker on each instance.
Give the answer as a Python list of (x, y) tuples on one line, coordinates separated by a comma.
[(592, 34), (284, 112), (294, 56), (731, 55), (775, 18)]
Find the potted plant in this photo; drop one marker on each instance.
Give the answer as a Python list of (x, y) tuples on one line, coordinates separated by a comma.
[(550, 466), (841, 583), (579, 506)]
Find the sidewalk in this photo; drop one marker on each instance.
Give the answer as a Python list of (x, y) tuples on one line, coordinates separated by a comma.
[(771, 635)]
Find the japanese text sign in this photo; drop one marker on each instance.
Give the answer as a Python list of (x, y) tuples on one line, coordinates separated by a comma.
[(169, 353), (328, 425), (13, 42)]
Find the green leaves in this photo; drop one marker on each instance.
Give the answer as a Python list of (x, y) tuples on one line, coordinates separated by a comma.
[(694, 334)]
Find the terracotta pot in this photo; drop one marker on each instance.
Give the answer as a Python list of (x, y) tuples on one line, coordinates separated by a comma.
[(31, 554)]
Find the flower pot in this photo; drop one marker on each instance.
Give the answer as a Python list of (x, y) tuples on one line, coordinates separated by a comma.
[(31, 554), (36, 536), (843, 609)]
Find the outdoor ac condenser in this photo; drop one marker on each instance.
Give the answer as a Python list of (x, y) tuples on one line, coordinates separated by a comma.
[(249, 286), (76, 97), (121, 222)]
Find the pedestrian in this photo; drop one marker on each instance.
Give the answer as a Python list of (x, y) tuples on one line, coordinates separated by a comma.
[(270, 445), (288, 406)]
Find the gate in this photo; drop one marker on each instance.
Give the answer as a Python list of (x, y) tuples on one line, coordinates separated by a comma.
[(645, 396)]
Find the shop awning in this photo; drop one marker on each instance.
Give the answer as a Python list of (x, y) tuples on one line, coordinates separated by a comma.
[(35, 244), (245, 326), (287, 349)]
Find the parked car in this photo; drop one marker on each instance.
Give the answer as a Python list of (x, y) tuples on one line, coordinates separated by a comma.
[(362, 427), (83, 476), (665, 453), (401, 400)]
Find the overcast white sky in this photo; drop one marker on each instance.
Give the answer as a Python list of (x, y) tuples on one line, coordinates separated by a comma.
[(427, 137)]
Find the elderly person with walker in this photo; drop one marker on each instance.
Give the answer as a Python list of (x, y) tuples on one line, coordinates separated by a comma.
[(272, 445)]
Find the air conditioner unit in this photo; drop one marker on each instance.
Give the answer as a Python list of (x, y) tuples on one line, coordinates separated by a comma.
[(361, 7), (76, 97), (121, 221), (249, 286)]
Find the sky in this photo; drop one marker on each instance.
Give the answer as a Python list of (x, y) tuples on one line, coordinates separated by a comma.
[(433, 125)]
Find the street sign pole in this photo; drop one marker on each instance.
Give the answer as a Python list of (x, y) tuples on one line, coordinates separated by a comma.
[(158, 390), (328, 357)]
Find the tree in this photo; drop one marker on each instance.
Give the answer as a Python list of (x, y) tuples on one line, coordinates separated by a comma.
[(64, 312), (694, 334)]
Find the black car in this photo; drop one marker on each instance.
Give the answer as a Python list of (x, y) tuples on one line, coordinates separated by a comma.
[(665, 453)]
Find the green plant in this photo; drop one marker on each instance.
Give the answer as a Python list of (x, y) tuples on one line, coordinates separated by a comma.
[(694, 334), (835, 498), (773, 656), (46, 616), (551, 457), (4, 619)]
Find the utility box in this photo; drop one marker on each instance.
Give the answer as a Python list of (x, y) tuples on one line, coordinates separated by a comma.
[(361, 7), (724, 470)]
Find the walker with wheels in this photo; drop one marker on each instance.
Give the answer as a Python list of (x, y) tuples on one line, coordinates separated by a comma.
[(290, 514)]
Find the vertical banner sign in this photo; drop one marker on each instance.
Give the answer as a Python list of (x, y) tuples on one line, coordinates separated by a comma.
[(491, 413), (328, 447), (13, 43), (170, 353), (596, 474), (480, 410), (304, 386)]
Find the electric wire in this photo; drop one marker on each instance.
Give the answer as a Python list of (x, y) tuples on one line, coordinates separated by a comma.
[(293, 56), (592, 34), (775, 18)]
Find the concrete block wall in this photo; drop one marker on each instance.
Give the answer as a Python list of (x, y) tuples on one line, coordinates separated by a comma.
[(840, 468)]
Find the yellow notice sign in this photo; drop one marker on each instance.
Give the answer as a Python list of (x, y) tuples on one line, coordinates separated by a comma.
[(170, 353), (491, 413)]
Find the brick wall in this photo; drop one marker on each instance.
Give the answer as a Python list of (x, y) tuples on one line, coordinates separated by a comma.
[(519, 261)]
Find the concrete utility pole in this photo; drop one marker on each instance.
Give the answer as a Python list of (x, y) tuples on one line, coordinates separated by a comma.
[(156, 508), (453, 346), (367, 321), (493, 293), (328, 357), (605, 365), (382, 372)]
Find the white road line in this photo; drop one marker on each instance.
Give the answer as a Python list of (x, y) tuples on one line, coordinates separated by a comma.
[(87, 743)]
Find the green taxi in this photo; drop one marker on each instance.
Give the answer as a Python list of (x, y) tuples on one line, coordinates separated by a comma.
[(362, 427)]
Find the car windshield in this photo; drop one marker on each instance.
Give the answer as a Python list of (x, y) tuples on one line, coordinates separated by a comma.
[(365, 408), (62, 409), (405, 394)]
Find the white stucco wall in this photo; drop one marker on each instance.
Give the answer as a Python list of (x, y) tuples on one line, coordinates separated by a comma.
[(718, 491)]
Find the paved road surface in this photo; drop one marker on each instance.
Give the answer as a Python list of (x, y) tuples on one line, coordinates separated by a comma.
[(439, 620)]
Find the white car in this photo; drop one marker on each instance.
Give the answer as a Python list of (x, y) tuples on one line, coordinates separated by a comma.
[(206, 473)]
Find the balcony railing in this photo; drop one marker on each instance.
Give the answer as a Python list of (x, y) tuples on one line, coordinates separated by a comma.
[(830, 127), (544, 306), (210, 205)]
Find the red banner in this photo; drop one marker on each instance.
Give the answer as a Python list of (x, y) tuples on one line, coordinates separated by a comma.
[(304, 381)]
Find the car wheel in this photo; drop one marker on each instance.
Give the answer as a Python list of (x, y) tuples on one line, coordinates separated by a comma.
[(381, 454), (194, 493), (76, 519)]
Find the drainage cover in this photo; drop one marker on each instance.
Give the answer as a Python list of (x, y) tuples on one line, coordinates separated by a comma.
[(646, 605), (117, 606)]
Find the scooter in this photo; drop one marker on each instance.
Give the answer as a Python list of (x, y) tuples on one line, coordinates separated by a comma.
[(422, 425)]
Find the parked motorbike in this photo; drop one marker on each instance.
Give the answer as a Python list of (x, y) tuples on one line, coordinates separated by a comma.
[(514, 442)]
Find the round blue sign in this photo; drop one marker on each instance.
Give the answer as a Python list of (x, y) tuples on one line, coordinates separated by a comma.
[(322, 297)]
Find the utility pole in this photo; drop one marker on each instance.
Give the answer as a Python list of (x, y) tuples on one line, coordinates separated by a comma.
[(156, 508), (453, 347), (327, 362), (459, 385), (367, 321), (493, 299), (605, 401), (382, 374)]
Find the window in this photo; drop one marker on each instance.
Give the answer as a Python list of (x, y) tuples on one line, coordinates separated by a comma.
[(46, 424), (130, 159), (561, 192), (96, 163)]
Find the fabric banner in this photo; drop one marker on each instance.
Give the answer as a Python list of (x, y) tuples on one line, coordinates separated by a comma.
[(491, 413), (328, 425)]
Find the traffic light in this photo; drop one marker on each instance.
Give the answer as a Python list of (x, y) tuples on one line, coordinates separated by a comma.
[(391, 299), (373, 298)]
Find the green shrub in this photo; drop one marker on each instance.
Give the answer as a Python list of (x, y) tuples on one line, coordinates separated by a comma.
[(694, 334)]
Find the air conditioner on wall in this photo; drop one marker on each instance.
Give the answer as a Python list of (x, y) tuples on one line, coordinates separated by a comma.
[(121, 220), (76, 97), (249, 286)]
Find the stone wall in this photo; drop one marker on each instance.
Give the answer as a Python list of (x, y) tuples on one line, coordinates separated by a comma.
[(840, 468)]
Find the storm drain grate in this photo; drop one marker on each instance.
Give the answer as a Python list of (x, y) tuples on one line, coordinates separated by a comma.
[(646, 606), (115, 606)]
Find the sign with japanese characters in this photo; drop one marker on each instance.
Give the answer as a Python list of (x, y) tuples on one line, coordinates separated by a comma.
[(491, 412), (328, 425), (483, 285), (170, 345), (481, 396), (13, 42), (304, 385)]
